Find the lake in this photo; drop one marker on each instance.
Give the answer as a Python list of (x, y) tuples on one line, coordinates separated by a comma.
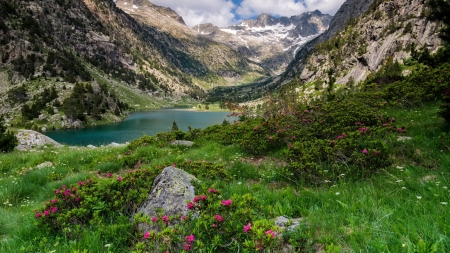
[(138, 124)]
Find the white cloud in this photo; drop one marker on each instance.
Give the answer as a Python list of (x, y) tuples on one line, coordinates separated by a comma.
[(217, 12), (249, 8), (224, 12)]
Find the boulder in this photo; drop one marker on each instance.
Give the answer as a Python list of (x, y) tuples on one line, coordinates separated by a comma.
[(171, 191), (29, 139), (44, 165), (283, 223)]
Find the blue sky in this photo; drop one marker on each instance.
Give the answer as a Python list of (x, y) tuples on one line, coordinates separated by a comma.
[(226, 12)]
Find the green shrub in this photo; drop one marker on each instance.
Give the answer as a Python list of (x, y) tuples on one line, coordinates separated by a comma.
[(8, 140), (444, 110)]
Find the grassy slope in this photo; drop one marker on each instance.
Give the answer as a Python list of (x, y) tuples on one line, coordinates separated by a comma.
[(388, 212)]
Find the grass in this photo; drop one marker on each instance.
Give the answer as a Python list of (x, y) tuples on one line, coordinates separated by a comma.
[(392, 211)]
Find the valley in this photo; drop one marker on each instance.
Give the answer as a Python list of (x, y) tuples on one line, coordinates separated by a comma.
[(339, 139)]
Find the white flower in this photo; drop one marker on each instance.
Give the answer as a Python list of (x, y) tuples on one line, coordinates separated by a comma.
[(337, 193), (239, 183), (445, 187), (399, 167), (398, 181), (107, 245), (404, 188), (419, 197), (444, 203)]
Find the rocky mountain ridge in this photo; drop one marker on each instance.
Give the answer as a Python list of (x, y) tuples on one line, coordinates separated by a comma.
[(270, 41), (391, 29), (220, 59)]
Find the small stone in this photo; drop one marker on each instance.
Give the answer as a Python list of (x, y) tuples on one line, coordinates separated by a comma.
[(44, 165), (182, 143), (404, 138), (91, 146)]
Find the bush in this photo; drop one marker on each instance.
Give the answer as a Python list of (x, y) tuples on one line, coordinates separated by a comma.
[(444, 110), (8, 140)]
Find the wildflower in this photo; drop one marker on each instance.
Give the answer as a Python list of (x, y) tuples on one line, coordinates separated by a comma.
[(57, 192), (119, 178), (293, 137), (271, 233), (255, 128), (212, 190), (218, 218), (444, 203), (198, 198), (154, 219), (419, 197), (54, 201), (187, 247), (364, 151), (165, 218), (393, 119), (76, 199), (248, 227), (377, 152), (343, 135), (337, 193), (339, 137), (54, 209), (183, 217), (332, 142), (109, 174), (146, 235), (384, 125), (38, 215), (190, 205), (227, 202), (290, 146), (174, 165), (214, 225), (190, 238), (306, 111), (359, 123), (46, 213), (64, 186), (270, 138)]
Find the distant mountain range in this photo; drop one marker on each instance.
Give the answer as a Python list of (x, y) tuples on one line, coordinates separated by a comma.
[(270, 41)]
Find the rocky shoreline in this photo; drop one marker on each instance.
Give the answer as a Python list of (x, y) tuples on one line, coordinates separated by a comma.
[(29, 139)]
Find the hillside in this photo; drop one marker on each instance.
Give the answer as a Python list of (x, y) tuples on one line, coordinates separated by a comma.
[(221, 60), (271, 41)]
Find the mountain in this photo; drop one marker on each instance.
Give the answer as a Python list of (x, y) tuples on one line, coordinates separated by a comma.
[(270, 41), (48, 47), (220, 59), (390, 29)]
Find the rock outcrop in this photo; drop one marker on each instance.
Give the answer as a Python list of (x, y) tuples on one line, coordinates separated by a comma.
[(171, 191), (29, 139)]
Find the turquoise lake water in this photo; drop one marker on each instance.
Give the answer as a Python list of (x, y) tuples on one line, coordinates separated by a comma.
[(138, 124)]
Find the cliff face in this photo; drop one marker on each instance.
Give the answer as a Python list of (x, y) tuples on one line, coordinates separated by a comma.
[(270, 41), (389, 29), (350, 9)]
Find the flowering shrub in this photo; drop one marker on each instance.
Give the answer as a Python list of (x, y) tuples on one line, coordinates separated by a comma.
[(212, 225), (77, 206)]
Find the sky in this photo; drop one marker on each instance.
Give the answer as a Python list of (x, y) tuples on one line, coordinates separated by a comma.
[(223, 13)]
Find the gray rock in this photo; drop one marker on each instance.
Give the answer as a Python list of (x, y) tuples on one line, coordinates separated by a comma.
[(29, 139), (283, 223), (91, 146), (182, 143), (171, 191), (44, 165), (114, 145)]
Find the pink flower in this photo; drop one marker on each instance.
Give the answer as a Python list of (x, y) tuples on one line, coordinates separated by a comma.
[(54, 209), (227, 202), (54, 201), (306, 111), (393, 119), (190, 238), (212, 190), (146, 235), (271, 233), (119, 178), (187, 247), (270, 138), (174, 165), (64, 186), (57, 192), (214, 225), (76, 199), (248, 227), (38, 215), (46, 213), (154, 219), (343, 135), (364, 151), (377, 152), (199, 198), (339, 137), (332, 142), (218, 218), (359, 123), (289, 145), (165, 218), (109, 175), (385, 125), (293, 137), (190, 205), (183, 217), (255, 128)]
